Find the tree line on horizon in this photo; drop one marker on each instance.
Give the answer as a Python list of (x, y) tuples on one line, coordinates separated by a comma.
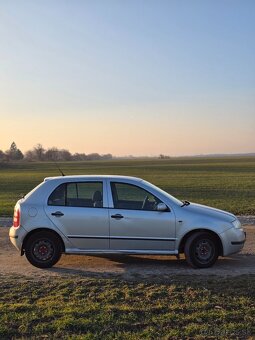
[(39, 153)]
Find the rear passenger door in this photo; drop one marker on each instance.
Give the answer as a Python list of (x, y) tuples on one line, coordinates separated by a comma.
[(79, 210)]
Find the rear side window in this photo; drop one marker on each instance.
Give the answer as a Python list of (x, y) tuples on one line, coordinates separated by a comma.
[(80, 194)]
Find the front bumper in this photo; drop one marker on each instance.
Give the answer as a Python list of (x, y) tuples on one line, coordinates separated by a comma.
[(236, 243), (233, 241)]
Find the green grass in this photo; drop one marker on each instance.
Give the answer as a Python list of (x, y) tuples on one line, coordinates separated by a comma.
[(108, 308), (225, 183)]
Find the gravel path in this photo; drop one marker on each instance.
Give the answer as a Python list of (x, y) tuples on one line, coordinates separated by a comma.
[(5, 221), (126, 267)]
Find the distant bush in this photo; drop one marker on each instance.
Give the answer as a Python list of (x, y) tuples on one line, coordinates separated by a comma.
[(164, 157)]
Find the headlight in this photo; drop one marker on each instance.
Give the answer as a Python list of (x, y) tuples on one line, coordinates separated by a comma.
[(237, 224)]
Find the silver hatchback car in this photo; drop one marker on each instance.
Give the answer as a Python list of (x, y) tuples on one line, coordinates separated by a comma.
[(118, 214)]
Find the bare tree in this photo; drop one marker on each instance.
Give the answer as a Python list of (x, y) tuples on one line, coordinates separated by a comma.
[(14, 154), (79, 157), (29, 155), (2, 156), (65, 155), (54, 154), (39, 152), (51, 154)]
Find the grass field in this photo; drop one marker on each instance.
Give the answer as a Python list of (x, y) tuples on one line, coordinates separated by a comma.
[(109, 308), (226, 183), (112, 308)]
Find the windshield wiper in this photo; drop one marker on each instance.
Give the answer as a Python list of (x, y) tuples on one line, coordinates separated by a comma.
[(185, 203)]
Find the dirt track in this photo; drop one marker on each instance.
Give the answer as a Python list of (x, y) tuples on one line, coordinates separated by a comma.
[(128, 267)]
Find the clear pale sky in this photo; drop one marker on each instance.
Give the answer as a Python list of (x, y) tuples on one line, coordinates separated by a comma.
[(128, 77)]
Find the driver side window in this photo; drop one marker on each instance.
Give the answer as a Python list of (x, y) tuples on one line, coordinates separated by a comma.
[(132, 197)]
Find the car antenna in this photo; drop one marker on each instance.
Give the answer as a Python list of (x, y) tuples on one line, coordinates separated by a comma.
[(59, 169)]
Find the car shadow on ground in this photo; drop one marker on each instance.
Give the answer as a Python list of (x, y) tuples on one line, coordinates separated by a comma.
[(131, 266)]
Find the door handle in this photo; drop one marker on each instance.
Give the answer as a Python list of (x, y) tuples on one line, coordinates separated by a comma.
[(57, 214), (117, 216)]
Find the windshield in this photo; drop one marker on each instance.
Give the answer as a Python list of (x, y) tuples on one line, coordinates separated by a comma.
[(172, 198)]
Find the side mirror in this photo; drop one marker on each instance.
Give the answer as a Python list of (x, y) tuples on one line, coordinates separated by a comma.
[(162, 207)]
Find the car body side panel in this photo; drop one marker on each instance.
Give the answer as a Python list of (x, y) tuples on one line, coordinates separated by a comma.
[(85, 227), (188, 220), (142, 230), (92, 230), (33, 217)]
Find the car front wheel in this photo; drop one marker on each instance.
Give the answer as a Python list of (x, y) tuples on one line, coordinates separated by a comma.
[(43, 249), (201, 250)]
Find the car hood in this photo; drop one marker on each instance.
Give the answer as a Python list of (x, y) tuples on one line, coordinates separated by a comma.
[(210, 212)]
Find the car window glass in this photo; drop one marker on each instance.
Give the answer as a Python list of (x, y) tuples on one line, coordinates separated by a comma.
[(58, 196), (71, 190), (81, 194), (128, 196), (84, 194)]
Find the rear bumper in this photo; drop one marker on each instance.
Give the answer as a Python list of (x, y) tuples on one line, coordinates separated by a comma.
[(17, 236), (233, 241)]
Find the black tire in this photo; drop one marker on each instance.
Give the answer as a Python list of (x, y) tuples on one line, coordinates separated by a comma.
[(43, 249), (201, 250)]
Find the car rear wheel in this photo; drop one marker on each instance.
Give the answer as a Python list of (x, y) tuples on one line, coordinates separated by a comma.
[(201, 250), (43, 249)]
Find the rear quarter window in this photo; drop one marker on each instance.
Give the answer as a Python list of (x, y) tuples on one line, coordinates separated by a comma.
[(57, 197)]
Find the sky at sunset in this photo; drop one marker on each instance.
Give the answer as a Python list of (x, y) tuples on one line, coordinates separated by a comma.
[(136, 77)]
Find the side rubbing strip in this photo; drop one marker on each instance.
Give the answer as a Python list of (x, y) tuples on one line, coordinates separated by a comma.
[(121, 238)]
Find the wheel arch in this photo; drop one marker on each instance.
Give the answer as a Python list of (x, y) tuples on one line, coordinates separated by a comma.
[(34, 231), (193, 231)]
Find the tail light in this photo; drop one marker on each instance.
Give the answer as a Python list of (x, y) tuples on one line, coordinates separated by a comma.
[(16, 218)]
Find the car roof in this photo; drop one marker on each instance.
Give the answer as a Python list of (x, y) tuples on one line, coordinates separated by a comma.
[(95, 177)]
